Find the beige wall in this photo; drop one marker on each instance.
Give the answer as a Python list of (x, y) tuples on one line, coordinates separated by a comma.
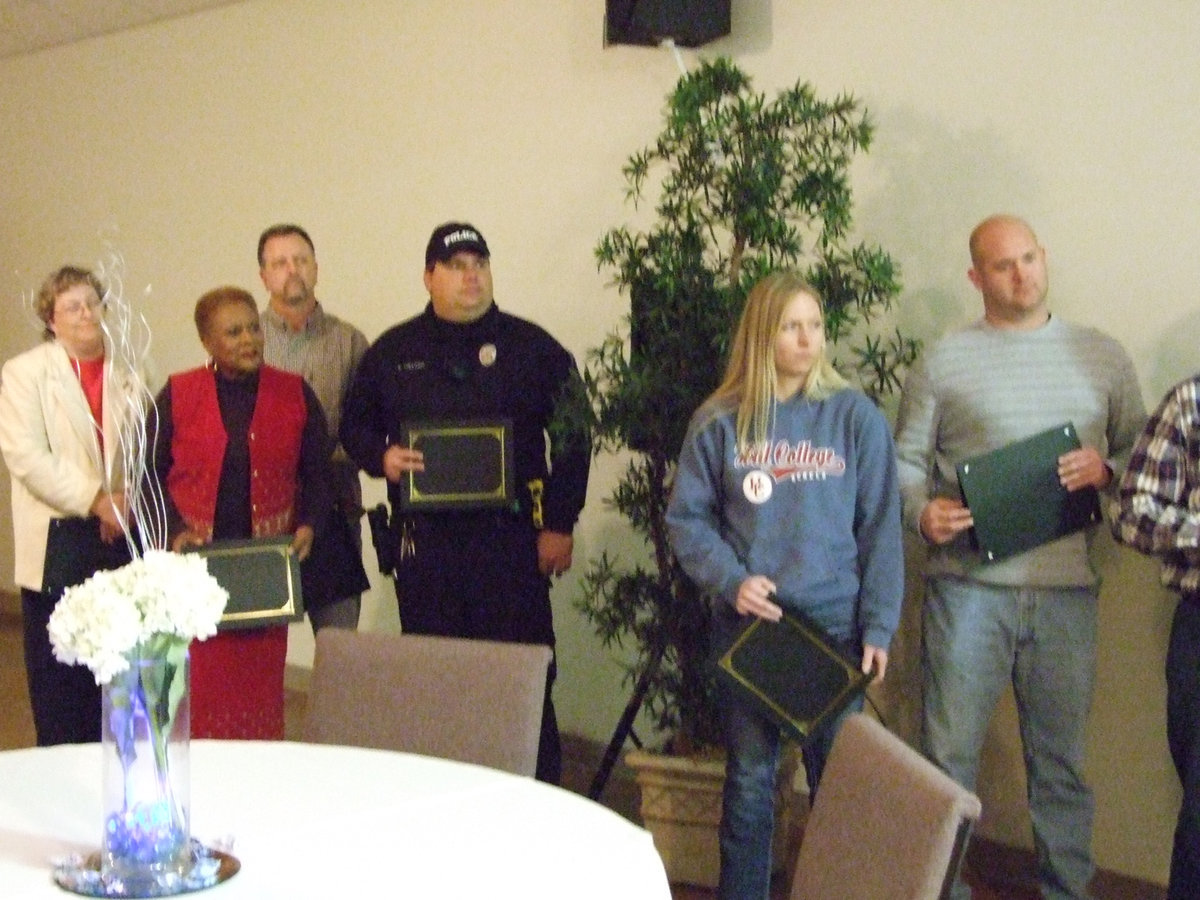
[(371, 122)]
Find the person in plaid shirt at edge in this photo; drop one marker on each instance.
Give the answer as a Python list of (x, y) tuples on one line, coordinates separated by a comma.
[(1159, 514)]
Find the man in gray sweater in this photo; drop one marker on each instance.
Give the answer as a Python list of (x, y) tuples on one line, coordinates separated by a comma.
[(1031, 618)]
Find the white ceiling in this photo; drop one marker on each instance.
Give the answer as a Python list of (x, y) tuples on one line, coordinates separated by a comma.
[(30, 25)]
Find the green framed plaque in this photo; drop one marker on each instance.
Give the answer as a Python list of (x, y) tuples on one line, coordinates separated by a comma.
[(793, 672), (1016, 499), (262, 576), (468, 464)]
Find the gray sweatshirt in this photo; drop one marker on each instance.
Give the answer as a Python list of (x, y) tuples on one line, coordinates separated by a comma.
[(984, 387), (816, 509)]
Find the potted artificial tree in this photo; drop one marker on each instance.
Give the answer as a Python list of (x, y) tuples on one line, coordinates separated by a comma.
[(742, 185)]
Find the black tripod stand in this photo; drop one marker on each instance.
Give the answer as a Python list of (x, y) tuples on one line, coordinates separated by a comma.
[(624, 729)]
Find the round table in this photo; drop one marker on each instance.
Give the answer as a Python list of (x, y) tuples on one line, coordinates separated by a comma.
[(326, 821)]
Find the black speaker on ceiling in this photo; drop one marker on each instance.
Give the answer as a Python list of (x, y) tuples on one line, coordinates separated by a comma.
[(689, 23)]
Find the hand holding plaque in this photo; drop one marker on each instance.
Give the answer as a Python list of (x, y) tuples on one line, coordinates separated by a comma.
[(793, 672), (468, 464), (1017, 499), (262, 576)]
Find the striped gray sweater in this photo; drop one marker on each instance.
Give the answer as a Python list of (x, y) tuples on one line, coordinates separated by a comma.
[(984, 387)]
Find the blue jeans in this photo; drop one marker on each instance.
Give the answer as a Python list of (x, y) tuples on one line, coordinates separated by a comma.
[(752, 744), (978, 638), (1183, 736)]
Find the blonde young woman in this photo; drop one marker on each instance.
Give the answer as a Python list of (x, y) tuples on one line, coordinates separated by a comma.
[(785, 498)]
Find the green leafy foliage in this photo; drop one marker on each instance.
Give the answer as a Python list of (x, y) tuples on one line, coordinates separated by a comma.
[(742, 185)]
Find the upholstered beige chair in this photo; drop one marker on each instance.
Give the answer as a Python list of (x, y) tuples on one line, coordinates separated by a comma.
[(886, 824), (474, 701)]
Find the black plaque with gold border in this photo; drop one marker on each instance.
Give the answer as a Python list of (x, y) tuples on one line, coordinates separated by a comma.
[(793, 672), (262, 576), (468, 464)]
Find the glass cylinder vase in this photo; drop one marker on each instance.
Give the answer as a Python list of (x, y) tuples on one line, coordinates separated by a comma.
[(146, 848)]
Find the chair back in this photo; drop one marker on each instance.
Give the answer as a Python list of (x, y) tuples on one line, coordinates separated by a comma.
[(886, 824), (468, 700)]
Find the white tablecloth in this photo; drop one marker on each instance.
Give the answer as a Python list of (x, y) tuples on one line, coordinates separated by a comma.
[(339, 822)]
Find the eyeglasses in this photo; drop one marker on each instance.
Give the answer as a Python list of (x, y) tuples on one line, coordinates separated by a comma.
[(76, 307)]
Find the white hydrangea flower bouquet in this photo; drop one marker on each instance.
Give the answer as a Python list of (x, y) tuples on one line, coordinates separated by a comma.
[(150, 607)]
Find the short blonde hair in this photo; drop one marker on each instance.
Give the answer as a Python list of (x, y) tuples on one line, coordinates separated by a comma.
[(56, 283)]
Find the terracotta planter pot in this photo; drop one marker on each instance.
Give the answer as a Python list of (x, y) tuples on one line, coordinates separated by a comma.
[(681, 808)]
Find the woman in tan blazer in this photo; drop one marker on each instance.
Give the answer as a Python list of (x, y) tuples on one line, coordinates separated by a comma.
[(61, 406)]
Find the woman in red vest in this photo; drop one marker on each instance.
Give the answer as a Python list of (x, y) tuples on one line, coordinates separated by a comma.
[(242, 452)]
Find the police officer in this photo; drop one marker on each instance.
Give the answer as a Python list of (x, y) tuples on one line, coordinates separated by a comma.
[(474, 568)]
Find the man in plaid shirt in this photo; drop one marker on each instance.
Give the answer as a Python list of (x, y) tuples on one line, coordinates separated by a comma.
[(1160, 514)]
